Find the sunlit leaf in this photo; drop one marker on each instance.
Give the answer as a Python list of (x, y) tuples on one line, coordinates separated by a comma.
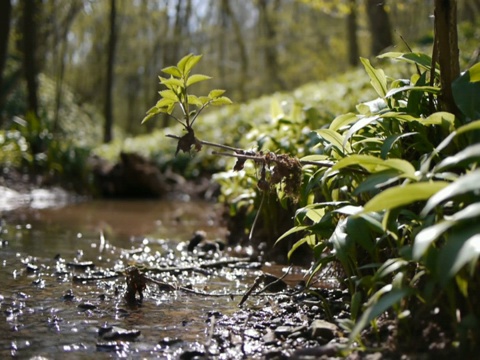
[(374, 164), (438, 118), (335, 139), (470, 153), (389, 266), (474, 125), (172, 70), (276, 111), (292, 231), (420, 59), (425, 237), (372, 107), (222, 100), (360, 124), (464, 184), (460, 249), (169, 94), (427, 89), (342, 120), (377, 77), (215, 93), (164, 102), (197, 78), (171, 83), (183, 61), (403, 195), (194, 100), (190, 63)]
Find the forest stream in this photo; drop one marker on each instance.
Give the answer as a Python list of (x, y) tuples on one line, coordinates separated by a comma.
[(66, 288)]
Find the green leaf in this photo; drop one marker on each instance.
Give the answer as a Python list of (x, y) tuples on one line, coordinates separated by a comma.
[(391, 140), (403, 195), (194, 100), (172, 70), (377, 77), (439, 118), (169, 94), (215, 93), (197, 78), (460, 249), (305, 240), (427, 89), (420, 59), (425, 237), (171, 83), (276, 111), (190, 63), (388, 267), (380, 302), (222, 100), (342, 120), (164, 102), (183, 61), (474, 125), (292, 231), (150, 114), (378, 180), (466, 92), (373, 164), (335, 139), (470, 153), (360, 124), (464, 184)]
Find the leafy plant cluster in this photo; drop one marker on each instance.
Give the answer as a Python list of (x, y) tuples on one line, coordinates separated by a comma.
[(398, 208), (55, 152), (390, 193)]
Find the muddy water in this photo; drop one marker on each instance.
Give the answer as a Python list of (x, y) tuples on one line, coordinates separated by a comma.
[(44, 312)]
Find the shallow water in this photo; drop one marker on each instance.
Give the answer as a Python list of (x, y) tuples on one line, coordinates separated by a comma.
[(40, 319)]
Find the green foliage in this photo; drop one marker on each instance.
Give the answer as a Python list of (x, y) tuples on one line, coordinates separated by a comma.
[(177, 93), (397, 202)]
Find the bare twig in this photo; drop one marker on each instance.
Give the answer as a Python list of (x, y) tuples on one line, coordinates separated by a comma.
[(240, 153)]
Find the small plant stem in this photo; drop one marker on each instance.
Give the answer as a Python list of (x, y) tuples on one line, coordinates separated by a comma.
[(238, 153)]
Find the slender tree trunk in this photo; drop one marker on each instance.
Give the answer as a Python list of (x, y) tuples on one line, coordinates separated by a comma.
[(446, 39), (30, 9), (379, 23), (353, 52), (5, 14), (107, 135), (61, 43), (270, 50), (241, 48)]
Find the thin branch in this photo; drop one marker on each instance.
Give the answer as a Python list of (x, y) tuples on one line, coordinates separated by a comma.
[(238, 153)]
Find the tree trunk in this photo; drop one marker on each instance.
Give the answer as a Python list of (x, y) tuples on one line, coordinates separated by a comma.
[(107, 135), (353, 52), (5, 14), (446, 39), (379, 23), (30, 9), (241, 48), (270, 49)]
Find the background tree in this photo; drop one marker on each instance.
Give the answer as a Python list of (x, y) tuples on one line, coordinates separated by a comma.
[(5, 13), (31, 11), (107, 136), (353, 50), (379, 23), (447, 50)]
